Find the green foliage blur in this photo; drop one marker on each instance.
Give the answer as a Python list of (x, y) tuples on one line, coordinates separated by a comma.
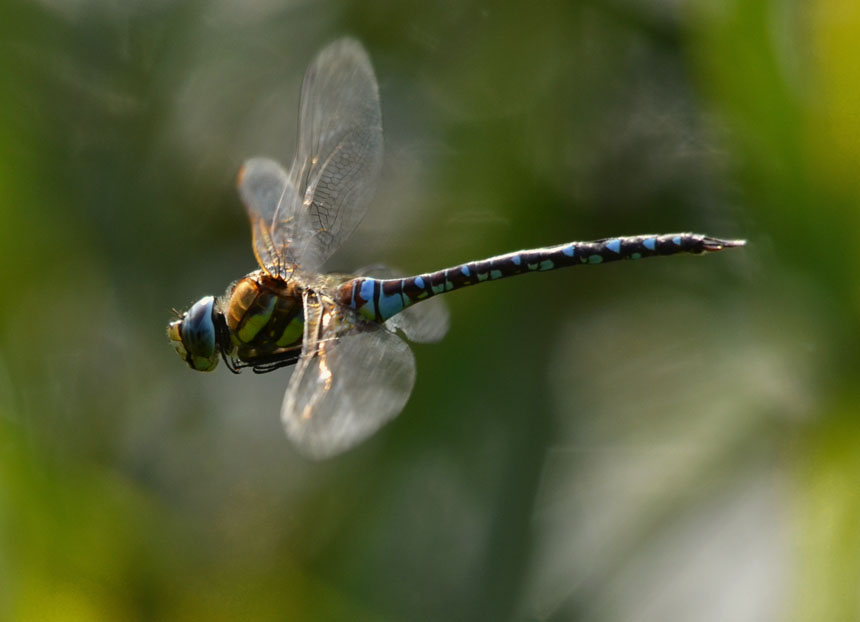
[(673, 439)]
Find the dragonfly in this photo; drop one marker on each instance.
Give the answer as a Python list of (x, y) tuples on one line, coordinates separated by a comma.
[(353, 371)]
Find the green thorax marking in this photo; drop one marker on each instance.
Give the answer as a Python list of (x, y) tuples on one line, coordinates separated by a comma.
[(269, 312)]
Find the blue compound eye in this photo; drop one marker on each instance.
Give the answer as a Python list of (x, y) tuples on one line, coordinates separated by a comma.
[(196, 332)]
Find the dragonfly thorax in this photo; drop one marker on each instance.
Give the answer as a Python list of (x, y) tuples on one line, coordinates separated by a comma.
[(264, 316)]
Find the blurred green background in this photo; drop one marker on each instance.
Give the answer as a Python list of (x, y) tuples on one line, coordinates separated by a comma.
[(675, 439)]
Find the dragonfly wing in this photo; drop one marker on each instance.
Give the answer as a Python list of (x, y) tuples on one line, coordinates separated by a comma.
[(268, 195), (301, 217), (425, 322), (345, 386), (339, 152)]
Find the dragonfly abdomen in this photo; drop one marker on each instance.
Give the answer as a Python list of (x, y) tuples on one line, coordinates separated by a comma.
[(381, 299), (263, 317)]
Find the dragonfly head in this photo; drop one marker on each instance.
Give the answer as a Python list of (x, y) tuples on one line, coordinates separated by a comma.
[(194, 335)]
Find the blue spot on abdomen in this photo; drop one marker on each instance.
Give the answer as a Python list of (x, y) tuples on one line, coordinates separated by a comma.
[(366, 293), (390, 305), (366, 290)]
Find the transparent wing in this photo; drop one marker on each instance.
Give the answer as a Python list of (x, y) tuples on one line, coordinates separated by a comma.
[(339, 153), (267, 192), (426, 322), (301, 218), (347, 384)]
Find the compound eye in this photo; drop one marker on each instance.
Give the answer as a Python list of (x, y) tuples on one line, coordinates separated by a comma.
[(197, 332)]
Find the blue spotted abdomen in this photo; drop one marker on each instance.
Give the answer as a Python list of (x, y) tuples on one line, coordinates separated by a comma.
[(381, 299)]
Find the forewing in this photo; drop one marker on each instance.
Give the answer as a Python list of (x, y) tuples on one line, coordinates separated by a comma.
[(269, 196), (339, 152), (301, 217), (345, 386), (425, 322)]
